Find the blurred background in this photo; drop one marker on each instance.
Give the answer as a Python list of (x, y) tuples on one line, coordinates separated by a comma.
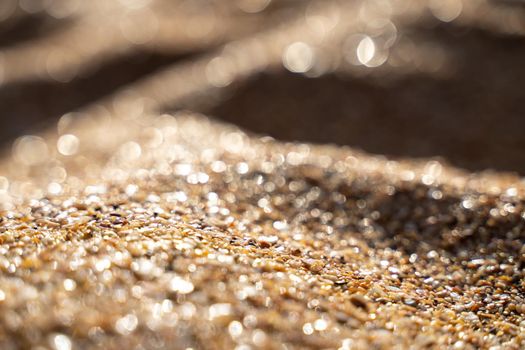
[(401, 78)]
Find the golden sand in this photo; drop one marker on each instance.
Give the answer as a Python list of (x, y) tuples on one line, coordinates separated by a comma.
[(123, 227)]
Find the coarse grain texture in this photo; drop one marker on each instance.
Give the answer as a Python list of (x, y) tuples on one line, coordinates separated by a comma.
[(207, 238)]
